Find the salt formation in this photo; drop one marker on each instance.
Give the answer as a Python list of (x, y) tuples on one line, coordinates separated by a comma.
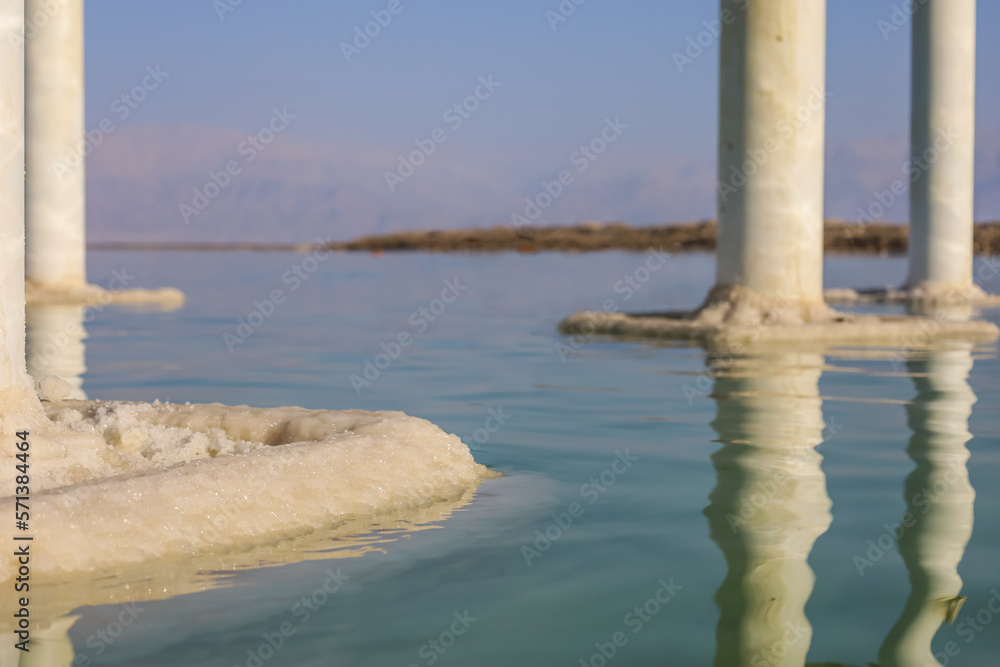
[(120, 483), (56, 147), (769, 271), (166, 298), (736, 315)]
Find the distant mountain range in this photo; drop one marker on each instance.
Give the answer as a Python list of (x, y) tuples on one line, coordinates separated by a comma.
[(155, 183)]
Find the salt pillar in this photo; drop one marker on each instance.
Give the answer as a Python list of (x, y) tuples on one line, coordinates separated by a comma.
[(937, 525), (55, 191), (943, 144), (771, 142), (12, 371), (768, 507)]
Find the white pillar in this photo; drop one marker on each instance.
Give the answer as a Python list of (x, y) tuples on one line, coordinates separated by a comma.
[(55, 187), (769, 505), (12, 369), (934, 543), (771, 142), (943, 144)]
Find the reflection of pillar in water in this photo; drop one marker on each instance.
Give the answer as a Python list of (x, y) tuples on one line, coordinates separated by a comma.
[(768, 507), (50, 646), (937, 524), (54, 344)]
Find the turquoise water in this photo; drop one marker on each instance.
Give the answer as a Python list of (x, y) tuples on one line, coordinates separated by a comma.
[(660, 505)]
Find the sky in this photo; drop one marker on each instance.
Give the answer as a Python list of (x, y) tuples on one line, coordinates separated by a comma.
[(310, 119)]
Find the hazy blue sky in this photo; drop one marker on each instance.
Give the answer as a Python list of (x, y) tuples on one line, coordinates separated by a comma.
[(609, 59)]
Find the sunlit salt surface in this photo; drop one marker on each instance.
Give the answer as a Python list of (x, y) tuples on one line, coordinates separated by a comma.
[(812, 455), (121, 483)]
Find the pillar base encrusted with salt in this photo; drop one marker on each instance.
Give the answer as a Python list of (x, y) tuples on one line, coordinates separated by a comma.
[(737, 315), (166, 298), (943, 140), (769, 271), (973, 296)]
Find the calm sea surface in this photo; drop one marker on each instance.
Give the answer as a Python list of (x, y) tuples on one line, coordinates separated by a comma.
[(660, 505)]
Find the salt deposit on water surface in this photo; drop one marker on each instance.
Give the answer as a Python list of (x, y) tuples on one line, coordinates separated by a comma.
[(119, 483)]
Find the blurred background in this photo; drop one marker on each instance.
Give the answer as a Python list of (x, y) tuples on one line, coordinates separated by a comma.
[(359, 102)]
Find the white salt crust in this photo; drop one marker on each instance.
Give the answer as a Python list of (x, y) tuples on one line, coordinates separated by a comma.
[(116, 484)]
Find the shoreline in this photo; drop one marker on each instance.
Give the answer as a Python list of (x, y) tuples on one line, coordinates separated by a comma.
[(839, 238)]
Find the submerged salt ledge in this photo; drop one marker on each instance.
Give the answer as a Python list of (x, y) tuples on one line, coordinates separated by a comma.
[(120, 483)]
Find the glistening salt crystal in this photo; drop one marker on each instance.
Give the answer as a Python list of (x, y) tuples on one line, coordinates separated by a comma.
[(119, 483)]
